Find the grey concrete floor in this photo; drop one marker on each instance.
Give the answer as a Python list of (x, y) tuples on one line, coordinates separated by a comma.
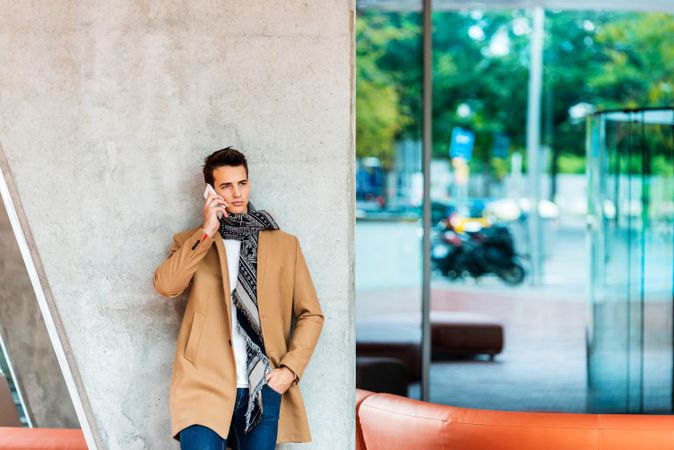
[(541, 368), (543, 363)]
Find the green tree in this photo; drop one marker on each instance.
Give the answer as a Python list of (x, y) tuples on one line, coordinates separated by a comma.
[(480, 77), (638, 69), (480, 81), (387, 82)]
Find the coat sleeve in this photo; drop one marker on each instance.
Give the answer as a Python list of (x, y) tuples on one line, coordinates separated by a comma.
[(308, 318), (173, 276)]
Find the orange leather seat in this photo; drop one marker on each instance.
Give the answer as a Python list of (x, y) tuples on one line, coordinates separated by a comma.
[(17, 438), (387, 421), (361, 394)]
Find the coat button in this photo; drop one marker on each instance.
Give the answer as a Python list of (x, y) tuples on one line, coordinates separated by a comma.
[(230, 342)]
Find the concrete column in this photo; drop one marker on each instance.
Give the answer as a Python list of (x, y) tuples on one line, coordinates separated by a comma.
[(107, 110)]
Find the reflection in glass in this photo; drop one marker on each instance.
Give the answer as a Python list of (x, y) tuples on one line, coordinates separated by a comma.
[(631, 224), (389, 188), (497, 340)]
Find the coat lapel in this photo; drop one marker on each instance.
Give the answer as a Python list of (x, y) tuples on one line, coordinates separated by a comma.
[(224, 268)]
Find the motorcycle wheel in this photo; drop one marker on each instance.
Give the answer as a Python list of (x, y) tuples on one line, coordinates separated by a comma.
[(513, 276)]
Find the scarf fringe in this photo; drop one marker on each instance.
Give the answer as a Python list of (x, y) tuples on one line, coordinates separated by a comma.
[(254, 393)]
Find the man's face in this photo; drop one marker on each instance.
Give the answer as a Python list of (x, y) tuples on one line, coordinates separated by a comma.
[(232, 184)]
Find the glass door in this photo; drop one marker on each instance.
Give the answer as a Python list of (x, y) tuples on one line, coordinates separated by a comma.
[(630, 222)]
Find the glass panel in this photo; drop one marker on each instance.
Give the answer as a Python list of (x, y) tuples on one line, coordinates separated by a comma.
[(632, 214), (483, 313), (548, 356), (389, 189), (33, 391), (605, 60), (658, 265), (12, 410)]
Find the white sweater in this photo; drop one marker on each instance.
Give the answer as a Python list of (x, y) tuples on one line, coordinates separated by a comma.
[(233, 249)]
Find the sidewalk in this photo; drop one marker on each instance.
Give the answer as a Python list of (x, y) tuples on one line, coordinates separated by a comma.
[(542, 366)]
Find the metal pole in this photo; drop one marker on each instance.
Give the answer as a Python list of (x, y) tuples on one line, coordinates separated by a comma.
[(534, 144), (426, 167)]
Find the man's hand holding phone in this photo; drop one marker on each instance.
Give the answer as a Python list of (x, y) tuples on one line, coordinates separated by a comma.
[(214, 208)]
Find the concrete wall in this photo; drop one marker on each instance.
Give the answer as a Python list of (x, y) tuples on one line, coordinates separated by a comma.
[(107, 110)]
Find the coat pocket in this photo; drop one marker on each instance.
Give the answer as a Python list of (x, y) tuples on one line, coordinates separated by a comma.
[(192, 346)]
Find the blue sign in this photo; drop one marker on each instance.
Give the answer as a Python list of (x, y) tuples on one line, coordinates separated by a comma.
[(462, 143)]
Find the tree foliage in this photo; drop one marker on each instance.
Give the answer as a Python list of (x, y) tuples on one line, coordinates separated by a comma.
[(386, 85), (604, 60)]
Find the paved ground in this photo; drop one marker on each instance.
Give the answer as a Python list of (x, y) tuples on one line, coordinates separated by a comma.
[(543, 364)]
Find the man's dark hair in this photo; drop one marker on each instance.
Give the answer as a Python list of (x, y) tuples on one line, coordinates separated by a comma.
[(227, 156)]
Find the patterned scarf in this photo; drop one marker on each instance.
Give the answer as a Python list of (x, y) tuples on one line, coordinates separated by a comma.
[(245, 227)]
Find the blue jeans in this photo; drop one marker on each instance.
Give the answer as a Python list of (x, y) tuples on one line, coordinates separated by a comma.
[(261, 437)]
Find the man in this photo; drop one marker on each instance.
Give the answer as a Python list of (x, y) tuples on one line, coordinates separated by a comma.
[(238, 362)]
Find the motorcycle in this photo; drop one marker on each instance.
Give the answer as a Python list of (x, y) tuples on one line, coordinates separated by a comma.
[(478, 252)]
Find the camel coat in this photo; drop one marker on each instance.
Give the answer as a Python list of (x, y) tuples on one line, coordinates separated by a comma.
[(203, 380)]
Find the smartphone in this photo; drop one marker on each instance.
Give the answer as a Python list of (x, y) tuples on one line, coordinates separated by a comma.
[(210, 189)]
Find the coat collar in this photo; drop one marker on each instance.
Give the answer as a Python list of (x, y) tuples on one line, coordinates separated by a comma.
[(261, 266)]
